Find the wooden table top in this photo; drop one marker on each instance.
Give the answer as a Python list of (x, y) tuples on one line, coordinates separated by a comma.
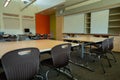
[(42, 45), (86, 39)]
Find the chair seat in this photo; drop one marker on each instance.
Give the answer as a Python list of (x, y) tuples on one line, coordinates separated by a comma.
[(97, 51), (59, 58), (47, 62)]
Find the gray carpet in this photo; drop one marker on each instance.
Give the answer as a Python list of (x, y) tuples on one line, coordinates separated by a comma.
[(80, 73), (112, 73)]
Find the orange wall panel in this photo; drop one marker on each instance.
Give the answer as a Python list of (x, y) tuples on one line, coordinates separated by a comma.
[(42, 24)]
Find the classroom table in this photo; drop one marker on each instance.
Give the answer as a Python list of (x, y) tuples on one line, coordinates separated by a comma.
[(85, 39), (42, 45), (82, 41)]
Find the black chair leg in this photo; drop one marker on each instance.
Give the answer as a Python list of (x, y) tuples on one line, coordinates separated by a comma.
[(101, 64), (113, 56), (58, 72), (108, 61), (47, 74)]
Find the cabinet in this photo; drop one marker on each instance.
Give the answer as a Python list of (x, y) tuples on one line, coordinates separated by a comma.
[(87, 22), (116, 43), (114, 21)]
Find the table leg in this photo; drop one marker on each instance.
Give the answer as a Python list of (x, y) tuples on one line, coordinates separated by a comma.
[(82, 58)]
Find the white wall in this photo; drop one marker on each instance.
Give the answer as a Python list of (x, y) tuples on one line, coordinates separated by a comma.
[(44, 4), (74, 23), (16, 25), (13, 25), (27, 23), (15, 7), (0, 21)]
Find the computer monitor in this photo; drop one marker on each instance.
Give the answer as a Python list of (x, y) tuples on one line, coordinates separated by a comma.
[(26, 30)]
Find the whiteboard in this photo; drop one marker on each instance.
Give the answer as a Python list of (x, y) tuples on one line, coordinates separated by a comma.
[(99, 22), (74, 23), (29, 23), (11, 25)]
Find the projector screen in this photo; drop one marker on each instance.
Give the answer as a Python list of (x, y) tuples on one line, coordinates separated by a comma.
[(99, 22), (74, 23)]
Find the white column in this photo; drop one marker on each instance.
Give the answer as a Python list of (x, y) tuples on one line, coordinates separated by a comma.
[(1, 22)]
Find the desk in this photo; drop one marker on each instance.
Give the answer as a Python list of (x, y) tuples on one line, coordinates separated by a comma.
[(83, 40), (86, 39), (42, 45)]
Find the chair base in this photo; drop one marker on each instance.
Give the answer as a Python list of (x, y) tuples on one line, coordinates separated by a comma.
[(83, 66), (65, 71), (67, 74)]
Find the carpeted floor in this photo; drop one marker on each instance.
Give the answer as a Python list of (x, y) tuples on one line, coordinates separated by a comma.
[(112, 73), (80, 73)]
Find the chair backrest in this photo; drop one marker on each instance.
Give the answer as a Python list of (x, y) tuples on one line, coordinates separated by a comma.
[(21, 64), (45, 36), (12, 38), (38, 36), (105, 45), (1, 37), (60, 54), (110, 43), (21, 37), (35, 37)]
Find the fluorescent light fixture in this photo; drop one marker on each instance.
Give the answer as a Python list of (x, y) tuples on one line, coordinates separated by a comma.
[(6, 3)]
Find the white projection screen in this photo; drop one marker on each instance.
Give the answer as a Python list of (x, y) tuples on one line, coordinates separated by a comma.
[(99, 22), (74, 23)]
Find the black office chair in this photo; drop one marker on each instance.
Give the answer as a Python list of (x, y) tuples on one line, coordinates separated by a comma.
[(22, 37), (45, 36), (20, 64), (36, 37), (7, 37), (101, 52), (111, 47), (1, 38), (12, 38), (60, 58)]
